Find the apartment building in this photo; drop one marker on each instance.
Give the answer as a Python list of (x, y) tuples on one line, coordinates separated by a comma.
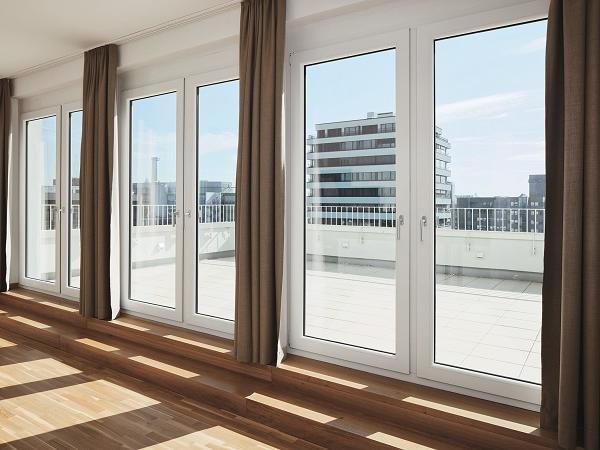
[(351, 173)]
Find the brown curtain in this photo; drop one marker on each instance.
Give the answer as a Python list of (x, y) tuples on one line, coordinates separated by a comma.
[(571, 292), (259, 182), (97, 142), (4, 152)]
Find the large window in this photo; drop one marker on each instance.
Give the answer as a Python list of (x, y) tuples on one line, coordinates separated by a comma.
[(490, 200), (152, 200), (217, 134), (75, 127), (350, 221), (41, 194)]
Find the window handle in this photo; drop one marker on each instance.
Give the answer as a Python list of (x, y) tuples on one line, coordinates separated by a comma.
[(422, 224), (398, 225), (175, 216)]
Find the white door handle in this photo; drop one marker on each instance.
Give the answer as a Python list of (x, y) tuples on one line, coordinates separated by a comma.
[(422, 224)]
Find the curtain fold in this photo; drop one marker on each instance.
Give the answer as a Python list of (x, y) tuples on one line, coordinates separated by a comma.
[(571, 290), (5, 120), (96, 184), (260, 182)]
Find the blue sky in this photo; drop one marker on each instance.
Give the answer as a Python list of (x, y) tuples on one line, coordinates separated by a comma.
[(75, 144), (489, 96), (153, 134), (218, 106), (489, 102)]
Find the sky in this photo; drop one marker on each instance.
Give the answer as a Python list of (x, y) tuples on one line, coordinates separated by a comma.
[(489, 98)]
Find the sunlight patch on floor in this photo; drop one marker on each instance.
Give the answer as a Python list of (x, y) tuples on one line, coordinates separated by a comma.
[(291, 408), (43, 412), (4, 343), (397, 442), (30, 322), (31, 371), (471, 415), (164, 366), (216, 437), (197, 343), (97, 344)]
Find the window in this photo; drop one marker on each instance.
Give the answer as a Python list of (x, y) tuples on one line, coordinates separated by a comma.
[(339, 275), (217, 133), (75, 129), (152, 200), (41, 199), (489, 105)]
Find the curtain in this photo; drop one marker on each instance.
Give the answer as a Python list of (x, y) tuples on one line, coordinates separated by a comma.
[(571, 291), (5, 121), (259, 182), (97, 184)]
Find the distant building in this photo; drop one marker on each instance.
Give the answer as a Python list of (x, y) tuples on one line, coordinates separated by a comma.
[(490, 213), (351, 172), (537, 201)]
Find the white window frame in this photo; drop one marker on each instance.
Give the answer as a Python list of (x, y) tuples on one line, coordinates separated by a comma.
[(67, 109), (126, 97), (298, 342), (39, 285), (222, 327), (424, 287)]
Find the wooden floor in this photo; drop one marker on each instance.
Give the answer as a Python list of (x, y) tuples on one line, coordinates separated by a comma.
[(50, 399), (311, 404)]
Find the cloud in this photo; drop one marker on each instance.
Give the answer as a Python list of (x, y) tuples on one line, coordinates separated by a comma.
[(217, 142), (486, 107), (536, 45)]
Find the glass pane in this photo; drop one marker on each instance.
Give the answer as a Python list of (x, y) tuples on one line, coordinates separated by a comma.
[(153, 199), (75, 127), (350, 201), (490, 200), (41, 199), (218, 107)]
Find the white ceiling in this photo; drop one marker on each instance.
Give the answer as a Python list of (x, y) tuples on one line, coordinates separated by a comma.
[(35, 32)]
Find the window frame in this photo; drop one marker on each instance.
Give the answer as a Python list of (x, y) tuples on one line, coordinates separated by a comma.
[(424, 289), (39, 285), (312, 346), (213, 325), (126, 97), (65, 182)]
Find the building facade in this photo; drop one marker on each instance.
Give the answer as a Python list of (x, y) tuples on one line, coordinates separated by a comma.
[(351, 172)]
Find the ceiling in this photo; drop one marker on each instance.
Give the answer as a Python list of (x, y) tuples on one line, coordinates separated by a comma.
[(35, 32)]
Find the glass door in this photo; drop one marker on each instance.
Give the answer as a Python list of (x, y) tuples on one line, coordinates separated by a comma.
[(72, 122), (212, 102), (154, 224), (40, 163), (481, 260), (350, 203)]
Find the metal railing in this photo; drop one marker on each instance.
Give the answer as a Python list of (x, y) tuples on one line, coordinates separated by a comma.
[(152, 215), (49, 217), (216, 213), (352, 215), (527, 220), (524, 220)]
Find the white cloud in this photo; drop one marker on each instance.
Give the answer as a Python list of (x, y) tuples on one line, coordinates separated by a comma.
[(536, 45), (217, 142), (485, 107)]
